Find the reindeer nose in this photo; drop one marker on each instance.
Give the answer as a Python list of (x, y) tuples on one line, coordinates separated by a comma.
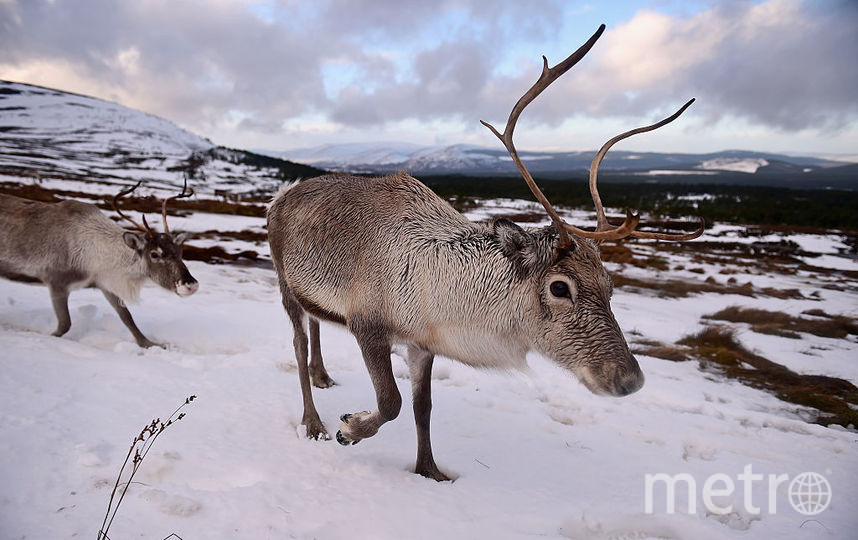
[(187, 288), (629, 383)]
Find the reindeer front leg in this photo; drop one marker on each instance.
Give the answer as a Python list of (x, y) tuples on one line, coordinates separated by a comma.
[(60, 301), (128, 321), (375, 346), (420, 366)]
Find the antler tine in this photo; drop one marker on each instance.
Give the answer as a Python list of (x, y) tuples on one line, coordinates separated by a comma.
[(627, 228), (186, 192), (548, 76), (594, 166), (672, 237), (123, 193)]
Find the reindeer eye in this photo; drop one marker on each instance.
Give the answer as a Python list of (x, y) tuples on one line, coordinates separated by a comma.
[(559, 289), (154, 255)]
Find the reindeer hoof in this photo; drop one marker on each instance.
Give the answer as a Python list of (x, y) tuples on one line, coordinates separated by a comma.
[(321, 380), (354, 429), (316, 430), (343, 441)]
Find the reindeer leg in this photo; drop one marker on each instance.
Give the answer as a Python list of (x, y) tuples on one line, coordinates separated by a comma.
[(60, 300), (318, 373), (420, 367), (375, 347), (125, 317), (315, 427)]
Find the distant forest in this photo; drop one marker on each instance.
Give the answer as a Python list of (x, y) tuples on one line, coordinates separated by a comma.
[(761, 205)]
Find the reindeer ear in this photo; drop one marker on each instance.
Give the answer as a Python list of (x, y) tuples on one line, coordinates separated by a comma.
[(136, 241), (511, 237), (518, 245), (181, 238)]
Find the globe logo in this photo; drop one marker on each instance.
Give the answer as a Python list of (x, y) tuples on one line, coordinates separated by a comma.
[(809, 493)]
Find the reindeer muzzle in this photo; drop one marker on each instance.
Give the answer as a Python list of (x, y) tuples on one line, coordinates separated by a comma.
[(187, 288)]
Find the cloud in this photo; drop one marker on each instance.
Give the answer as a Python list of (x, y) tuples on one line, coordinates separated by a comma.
[(261, 67), (781, 64)]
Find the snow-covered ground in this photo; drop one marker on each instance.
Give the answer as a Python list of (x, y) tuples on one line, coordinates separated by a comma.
[(533, 454)]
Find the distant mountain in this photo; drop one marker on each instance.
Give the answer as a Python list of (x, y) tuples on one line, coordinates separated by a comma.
[(50, 134), (734, 166)]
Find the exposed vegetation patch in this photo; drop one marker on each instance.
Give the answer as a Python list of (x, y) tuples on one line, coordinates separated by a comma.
[(782, 324), (682, 289), (524, 217), (665, 352), (245, 235), (150, 204), (218, 255), (153, 204), (835, 399), (38, 193)]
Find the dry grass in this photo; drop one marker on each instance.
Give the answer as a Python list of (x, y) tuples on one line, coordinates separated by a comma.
[(782, 324), (616, 252), (665, 352), (218, 255), (835, 399), (150, 204), (524, 217), (245, 235), (38, 193)]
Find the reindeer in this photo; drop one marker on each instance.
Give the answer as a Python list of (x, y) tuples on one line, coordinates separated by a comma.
[(72, 244), (396, 264)]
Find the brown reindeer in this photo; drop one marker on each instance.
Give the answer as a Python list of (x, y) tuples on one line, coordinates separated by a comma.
[(396, 264), (72, 244)]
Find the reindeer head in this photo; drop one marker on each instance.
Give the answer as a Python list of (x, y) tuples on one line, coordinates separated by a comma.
[(573, 323), (160, 253)]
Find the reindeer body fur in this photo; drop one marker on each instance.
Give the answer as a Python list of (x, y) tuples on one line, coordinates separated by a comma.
[(400, 271), (68, 240), (70, 245)]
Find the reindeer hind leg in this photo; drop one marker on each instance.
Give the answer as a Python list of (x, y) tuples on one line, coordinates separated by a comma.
[(318, 374), (310, 419)]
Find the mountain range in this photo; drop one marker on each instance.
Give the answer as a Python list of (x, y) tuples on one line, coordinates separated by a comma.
[(51, 134), (735, 166)]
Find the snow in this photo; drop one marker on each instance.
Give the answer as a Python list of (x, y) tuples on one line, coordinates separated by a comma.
[(674, 172), (532, 454), (745, 165)]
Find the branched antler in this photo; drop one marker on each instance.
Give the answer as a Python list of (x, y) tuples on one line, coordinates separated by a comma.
[(145, 227), (186, 192), (604, 230), (601, 220)]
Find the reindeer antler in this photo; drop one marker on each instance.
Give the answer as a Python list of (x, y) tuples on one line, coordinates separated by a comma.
[(145, 227), (186, 192), (601, 220), (604, 231)]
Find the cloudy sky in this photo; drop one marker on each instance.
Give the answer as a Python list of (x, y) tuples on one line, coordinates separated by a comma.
[(776, 75)]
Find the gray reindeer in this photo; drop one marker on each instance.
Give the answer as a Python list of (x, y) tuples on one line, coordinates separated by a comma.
[(72, 244), (396, 264)]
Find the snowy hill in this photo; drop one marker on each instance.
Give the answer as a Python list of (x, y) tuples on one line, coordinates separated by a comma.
[(478, 160), (48, 134)]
